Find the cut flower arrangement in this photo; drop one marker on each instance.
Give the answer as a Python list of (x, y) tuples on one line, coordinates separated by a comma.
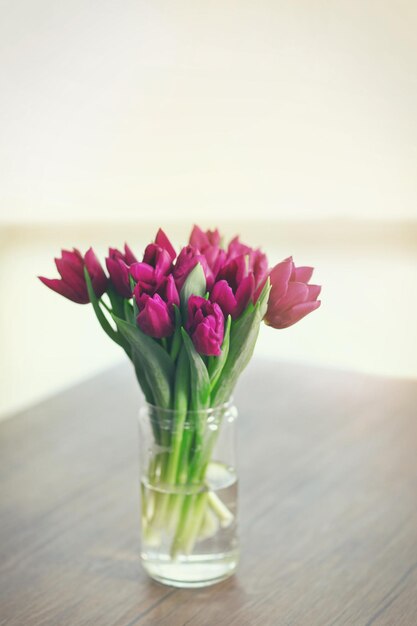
[(188, 321)]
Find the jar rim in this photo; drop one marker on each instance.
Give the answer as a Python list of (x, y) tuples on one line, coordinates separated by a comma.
[(209, 411)]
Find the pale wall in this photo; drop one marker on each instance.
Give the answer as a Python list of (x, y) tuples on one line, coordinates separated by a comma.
[(295, 109)]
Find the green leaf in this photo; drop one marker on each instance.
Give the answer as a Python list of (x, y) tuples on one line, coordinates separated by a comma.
[(104, 322), (153, 360), (263, 298), (200, 381), (141, 376), (128, 312), (116, 300), (243, 335), (195, 285), (182, 382), (216, 363), (176, 340)]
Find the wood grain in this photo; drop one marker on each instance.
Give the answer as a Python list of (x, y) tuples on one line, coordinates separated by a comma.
[(328, 515)]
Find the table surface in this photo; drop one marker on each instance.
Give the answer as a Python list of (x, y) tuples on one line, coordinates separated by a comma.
[(328, 507)]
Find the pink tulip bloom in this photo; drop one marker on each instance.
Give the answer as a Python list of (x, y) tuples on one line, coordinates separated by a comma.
[(208, 245), (162, 241), (150, 273), (291, 297), (72, 283), (205, 325), (118, 264), (257, 262), (156, 311), (186, 261), (203, 240), (234, 288), (154, 317)]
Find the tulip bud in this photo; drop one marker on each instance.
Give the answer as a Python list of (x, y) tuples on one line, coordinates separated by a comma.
[(202, 240), (154, 317), (163, 242), (205, 325), (156, 311), (256, 261), (186, 261), (234, 289), (72, 283), (117, 265)]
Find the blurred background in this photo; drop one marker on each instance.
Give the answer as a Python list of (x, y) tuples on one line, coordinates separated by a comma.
[(291, 123)]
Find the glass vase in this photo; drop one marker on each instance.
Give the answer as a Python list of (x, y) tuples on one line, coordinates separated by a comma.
[(188, 495)]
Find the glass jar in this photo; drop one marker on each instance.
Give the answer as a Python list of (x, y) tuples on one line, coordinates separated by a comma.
[(188, 495)]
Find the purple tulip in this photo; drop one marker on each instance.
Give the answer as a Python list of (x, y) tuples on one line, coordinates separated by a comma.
[(208, 245), (156, 264), (205, 325), (154, 317), (203, 240), (186, 261), (156, 311), (162, 241), (234, 288), (158, 258), (169, 292), (118, 264), (291, 297), (72, 283), (160, 254), (257, 262)]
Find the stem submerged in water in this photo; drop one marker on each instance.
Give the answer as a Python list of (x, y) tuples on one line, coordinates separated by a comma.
[(179, 503)]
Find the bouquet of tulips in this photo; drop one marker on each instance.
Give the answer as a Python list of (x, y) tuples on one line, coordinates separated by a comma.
[(188, 322)]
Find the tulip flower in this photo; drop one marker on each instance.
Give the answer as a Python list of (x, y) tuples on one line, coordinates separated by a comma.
[(234, 288), (72, 283), (160, 254), (156, 311), (158, 258), (291, 297), (203, 240), (208, 245), (148, 279), (257, 262), (156, 264), (118, 264), (205, 325), (186, 261), (154, 317), (162, 241)]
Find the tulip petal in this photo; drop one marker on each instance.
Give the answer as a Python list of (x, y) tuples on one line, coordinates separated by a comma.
[(296, 293), (119, 274), (74, 257), (154, 318), (162, 240), (206, 341), (313, 292), (96, 272), (279, 276), (298, 312), (129, 256), (198, 238), (244, 294), (223, 294), (142, 272), (72, 276), (303, 274), (59, 286)]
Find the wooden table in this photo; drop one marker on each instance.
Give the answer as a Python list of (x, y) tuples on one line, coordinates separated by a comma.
[(328, 466)]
